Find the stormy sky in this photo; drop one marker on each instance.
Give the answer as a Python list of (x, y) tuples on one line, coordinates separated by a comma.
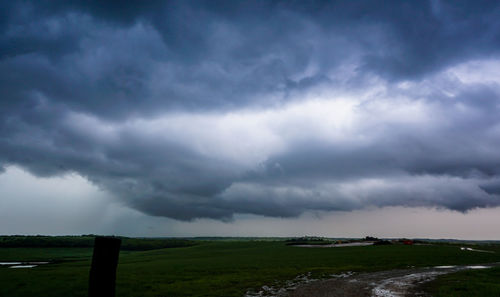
[(230, 117)]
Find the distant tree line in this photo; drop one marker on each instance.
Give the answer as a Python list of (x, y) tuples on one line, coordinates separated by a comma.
[(308, 240), (137, 244)]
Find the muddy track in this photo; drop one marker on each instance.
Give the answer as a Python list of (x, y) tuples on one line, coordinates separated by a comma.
[(390, 283)]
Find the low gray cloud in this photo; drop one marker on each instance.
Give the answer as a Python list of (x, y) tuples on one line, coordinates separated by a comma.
[(210, 109)]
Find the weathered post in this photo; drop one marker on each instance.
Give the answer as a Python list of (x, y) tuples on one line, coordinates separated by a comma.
[(103, 270)]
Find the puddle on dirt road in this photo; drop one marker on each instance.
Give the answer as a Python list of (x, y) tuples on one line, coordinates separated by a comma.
[(400, 285), (290, 285), (22, 264), (280, 290), (390, 283), (475, 250)]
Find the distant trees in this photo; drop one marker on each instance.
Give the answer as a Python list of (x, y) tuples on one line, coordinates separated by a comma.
[(308, 240), (88, 241)]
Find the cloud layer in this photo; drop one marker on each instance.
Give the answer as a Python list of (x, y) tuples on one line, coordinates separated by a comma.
[(210, 109)]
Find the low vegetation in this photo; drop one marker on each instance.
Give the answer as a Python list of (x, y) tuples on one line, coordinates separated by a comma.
[(215, 268), (470, 283)]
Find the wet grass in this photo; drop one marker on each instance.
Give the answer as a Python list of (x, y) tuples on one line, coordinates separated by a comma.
[(470, 283), (216, 268), (44, 254)]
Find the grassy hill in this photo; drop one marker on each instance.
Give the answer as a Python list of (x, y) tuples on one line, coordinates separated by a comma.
[(215, 268)]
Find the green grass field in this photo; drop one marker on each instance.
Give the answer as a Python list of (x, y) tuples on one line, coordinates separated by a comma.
[(215, 268), (470, 283)]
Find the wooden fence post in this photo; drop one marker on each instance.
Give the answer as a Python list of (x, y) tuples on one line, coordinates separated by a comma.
[(103, 270)]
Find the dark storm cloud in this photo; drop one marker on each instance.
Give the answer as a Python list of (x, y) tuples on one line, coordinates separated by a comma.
[(223, 54), (186, 109)]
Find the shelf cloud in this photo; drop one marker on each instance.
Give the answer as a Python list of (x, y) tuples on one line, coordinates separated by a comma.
[(209, 109)]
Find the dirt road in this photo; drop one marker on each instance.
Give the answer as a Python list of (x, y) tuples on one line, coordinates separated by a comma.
[(391, 283)]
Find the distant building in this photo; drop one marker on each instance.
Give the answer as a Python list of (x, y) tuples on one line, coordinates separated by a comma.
[(408, 242)]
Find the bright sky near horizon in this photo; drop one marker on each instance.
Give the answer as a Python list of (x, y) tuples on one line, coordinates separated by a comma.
[(236, 118)]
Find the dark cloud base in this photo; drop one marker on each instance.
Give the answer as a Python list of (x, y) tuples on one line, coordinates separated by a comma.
[(81, 80)]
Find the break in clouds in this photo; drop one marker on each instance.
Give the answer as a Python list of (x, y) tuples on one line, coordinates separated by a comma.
[(209, 109)]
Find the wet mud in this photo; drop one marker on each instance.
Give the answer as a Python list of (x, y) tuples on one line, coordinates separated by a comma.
[(390, 283)]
